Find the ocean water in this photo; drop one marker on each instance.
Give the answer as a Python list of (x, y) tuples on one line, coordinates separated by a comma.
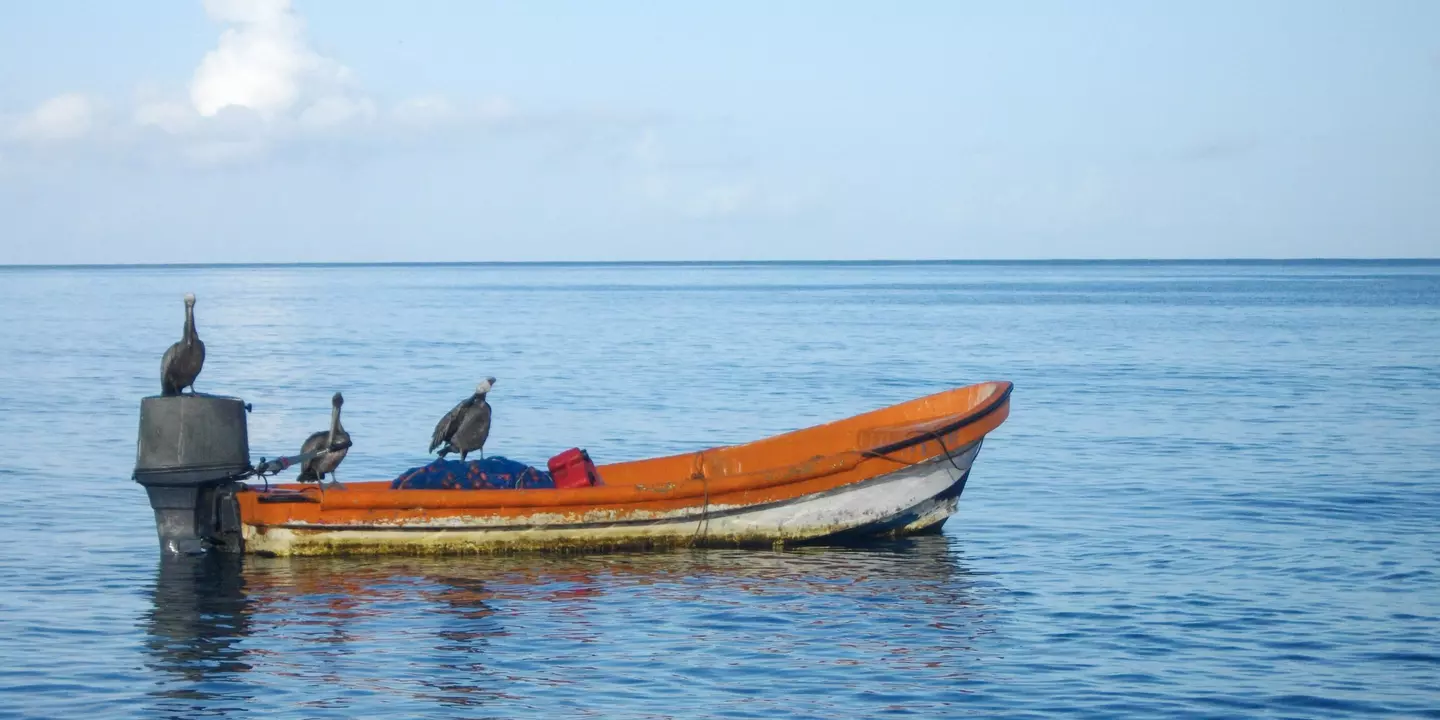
[(1217, 494)]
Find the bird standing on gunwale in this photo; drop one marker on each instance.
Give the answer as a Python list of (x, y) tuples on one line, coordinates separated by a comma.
[(183, 360), (466, 426), (315, 469)]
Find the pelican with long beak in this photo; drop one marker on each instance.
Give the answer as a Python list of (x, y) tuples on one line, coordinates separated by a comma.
[(316, 468), (183, 361), (467, 425)]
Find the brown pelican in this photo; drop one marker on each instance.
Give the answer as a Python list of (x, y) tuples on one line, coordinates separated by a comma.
[(182, 362), (315, 469), (466, 426)]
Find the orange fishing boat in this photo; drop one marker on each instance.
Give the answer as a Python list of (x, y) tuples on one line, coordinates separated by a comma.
[(893, 471)]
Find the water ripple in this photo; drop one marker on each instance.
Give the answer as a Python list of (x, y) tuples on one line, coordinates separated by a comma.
[(1215, 496)]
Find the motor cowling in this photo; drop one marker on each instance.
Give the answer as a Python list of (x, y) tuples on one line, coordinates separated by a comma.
[(191, 452)]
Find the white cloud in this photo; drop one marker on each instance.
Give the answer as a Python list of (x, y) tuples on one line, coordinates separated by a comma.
[(263, 62), (63, 117), (332, 111), (256, 12), (260, 87), (176, 118), (222, 152)]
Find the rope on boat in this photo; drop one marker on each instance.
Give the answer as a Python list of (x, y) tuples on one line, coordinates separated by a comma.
[(704, 521), (276, 466), (931, 434)]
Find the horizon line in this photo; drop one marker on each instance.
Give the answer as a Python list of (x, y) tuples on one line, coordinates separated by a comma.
[(643, 263)]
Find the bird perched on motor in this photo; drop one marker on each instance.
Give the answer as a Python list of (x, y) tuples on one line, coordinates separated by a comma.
[(467, 425), (316, 468), (183, 360)]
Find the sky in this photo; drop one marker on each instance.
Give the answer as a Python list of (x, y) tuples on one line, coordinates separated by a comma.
[(453, 130)]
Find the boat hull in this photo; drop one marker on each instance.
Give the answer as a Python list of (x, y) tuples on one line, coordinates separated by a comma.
[(916, 497)]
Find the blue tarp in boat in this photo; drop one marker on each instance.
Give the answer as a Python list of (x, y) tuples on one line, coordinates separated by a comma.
[(492, 473)]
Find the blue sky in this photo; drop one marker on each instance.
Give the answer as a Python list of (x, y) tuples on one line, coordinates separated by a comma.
[(330, 130)]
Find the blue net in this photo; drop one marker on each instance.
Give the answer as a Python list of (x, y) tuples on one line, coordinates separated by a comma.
[(492, 473)]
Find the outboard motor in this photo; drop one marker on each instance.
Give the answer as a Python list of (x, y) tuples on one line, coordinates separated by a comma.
[(192, 451)]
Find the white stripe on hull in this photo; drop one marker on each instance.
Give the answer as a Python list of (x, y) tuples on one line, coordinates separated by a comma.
[(907, 496)]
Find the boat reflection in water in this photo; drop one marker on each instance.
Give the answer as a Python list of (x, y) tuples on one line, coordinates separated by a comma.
[(265, 634), (195, 634)]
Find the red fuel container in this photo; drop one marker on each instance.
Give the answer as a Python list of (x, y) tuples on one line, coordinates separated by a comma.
[(573, 468)]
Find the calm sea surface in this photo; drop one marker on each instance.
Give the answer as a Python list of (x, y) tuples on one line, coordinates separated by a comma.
[(1217, 495)]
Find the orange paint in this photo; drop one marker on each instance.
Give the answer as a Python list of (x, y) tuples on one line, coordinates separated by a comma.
[(778, 468)]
